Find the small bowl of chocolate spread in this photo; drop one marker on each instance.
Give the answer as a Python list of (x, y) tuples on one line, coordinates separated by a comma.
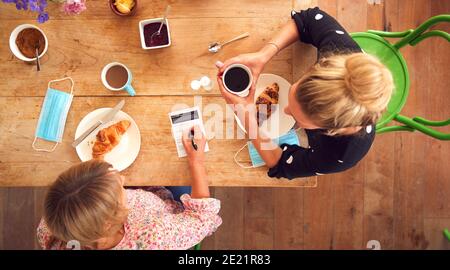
[(24, 40)]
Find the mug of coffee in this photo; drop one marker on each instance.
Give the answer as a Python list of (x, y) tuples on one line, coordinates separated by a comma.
[(237, 79), (116, 76)]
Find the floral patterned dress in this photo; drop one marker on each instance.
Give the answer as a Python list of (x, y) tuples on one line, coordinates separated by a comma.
[(156, 221)]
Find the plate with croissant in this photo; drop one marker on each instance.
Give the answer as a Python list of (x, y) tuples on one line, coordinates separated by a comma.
[(272, 89), (117, 142)]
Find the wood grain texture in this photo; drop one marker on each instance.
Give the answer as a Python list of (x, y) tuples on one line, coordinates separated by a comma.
[(349, 185), (379, 177), (19, 118), (230, 234), (437, 190), (18, 219), (318, 205), (259, 218), (288, 218), (81, 48), (3, 205), (148, 9), (258, 233), (319, 218), (411, 178), (401, 201), (433, 228)]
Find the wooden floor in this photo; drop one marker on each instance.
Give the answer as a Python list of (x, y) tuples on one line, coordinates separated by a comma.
[(398, 195)]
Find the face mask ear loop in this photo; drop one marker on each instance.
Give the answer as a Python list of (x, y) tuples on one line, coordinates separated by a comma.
[(42, 149), (237, 162), (65, 78)]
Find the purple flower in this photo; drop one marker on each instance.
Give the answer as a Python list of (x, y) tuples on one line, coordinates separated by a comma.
[(43, 17), (34, 5)]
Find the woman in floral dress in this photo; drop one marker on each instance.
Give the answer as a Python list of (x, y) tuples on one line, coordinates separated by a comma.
[(88, 204)]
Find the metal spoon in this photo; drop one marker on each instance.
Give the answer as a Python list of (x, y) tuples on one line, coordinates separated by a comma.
[(38, 64), (166, 13), (216, 46)]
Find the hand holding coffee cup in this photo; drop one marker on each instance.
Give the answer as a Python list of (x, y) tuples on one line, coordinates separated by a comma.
[(116, 76), (244, 97), (254, 61), (237, 79)]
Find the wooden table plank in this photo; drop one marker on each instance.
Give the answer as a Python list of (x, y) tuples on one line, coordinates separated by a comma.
[(288, 218), (437, 199), (18, 215), (148, 9), (380, 164), (410, 178), (349, 185), (81, 48), (230, 234), (21, 166), (433, 228), (318, 203)]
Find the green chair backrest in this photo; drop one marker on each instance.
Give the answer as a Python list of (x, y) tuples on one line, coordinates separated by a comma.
[(373, 42)]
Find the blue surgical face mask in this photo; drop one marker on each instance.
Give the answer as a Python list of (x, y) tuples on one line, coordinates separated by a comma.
[(290, 138), (53, 116)]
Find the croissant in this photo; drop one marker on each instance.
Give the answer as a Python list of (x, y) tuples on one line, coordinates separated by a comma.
[(108, 138), (268, 97)]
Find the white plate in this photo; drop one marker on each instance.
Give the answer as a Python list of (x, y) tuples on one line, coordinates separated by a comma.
[(285, 122), (124, 154)]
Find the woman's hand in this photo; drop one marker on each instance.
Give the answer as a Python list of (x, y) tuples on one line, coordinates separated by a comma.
[(255, 61), (195, 157), (232, 98), (244, 107)]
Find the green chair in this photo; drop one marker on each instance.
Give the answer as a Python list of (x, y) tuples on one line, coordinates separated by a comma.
[(447, 234), (373, 42)]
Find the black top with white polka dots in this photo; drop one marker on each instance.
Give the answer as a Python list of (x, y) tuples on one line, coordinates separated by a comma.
[(326, 154)]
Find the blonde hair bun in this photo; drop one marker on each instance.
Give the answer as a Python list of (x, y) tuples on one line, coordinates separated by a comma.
[(345, 90), (369, 81)]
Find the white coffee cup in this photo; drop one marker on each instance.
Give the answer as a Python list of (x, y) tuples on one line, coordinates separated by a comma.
[(13, 46), (244, 92), (127, 86)]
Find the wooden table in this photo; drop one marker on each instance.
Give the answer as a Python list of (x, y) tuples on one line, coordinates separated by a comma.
[(79, 46)]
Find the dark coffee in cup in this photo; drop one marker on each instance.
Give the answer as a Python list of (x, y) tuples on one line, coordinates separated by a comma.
[(117, 76), (237, 79)]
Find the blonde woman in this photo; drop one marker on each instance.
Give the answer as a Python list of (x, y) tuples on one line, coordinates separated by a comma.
[(88, 203), (337, 101)]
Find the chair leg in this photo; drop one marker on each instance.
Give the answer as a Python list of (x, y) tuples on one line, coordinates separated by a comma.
[(432, 33), (447, 234), (419, 124), (393, 128), (416, 34), (391, 34)]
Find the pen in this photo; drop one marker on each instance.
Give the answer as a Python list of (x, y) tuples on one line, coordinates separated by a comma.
[(192, 141)]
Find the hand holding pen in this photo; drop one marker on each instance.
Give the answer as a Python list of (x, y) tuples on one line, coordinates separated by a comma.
[(194, 145), (194, 142)]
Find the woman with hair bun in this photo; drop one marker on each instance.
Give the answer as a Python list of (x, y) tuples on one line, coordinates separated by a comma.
[(337, 101)]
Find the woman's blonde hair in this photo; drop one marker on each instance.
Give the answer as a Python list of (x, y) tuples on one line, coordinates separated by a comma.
[(81, 201), (347, 90)]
